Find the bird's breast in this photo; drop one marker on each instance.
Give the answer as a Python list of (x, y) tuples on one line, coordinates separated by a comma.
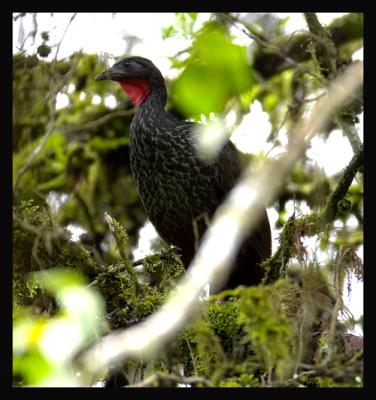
[(173, 186)]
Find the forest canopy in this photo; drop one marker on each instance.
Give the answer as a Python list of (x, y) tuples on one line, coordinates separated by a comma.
[(71, 173)]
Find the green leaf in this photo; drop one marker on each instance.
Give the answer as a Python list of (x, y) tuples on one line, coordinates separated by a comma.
[(54, 280), (198, 91), (168, 32), (217, 70)]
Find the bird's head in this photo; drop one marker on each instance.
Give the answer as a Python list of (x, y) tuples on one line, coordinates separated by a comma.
[(137, 76)]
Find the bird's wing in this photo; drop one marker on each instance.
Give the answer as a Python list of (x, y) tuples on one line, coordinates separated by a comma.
[(228, 169)]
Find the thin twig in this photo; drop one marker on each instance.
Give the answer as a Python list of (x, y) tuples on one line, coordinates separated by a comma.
[(89, 219), (65, 31), (191, 354), (101, 120), (272, 48), (58, 86), (338, 284)]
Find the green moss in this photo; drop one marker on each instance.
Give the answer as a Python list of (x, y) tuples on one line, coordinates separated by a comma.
[(163, 268), (243, 332), (275, 266), (229, 383), (244, 380), (39, 244), (267, 326), (128, 303), (224, 321)]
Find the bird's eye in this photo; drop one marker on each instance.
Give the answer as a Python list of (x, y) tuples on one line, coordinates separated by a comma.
[(126, 64)]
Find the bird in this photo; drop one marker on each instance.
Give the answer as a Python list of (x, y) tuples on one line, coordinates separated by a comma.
[(180, 190)]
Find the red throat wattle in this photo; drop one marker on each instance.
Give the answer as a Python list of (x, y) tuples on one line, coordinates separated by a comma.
[(136, 89)]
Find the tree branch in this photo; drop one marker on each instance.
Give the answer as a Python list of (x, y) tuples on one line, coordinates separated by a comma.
[(324, 49), (332, 206), (65, 31), (270, 47), (276, 265), (101, 120), (349, 130)]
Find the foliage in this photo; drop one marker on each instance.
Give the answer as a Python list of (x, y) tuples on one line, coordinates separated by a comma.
[(71, 168), (183, 26), (215, 71), (44, 346)]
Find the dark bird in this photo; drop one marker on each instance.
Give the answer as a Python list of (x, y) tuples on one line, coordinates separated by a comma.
[(180, 191)]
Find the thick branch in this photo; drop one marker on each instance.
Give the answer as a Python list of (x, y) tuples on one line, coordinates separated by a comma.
[(349, 130)]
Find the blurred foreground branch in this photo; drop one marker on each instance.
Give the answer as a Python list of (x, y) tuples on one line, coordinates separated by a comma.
[(232, 222)]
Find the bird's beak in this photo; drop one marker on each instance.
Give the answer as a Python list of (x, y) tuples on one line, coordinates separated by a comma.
[(101, 76), (112, 74)]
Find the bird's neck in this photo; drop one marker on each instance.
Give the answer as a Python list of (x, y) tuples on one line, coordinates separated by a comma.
[(155, 99), (137, 89), (150, 114), (144, 92), (151, 110)]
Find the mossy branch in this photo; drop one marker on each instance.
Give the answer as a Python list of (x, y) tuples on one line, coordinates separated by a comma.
[(351, 133), (275, 266), (312, 224), (336, 199), (323, 48), (324, 52)]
